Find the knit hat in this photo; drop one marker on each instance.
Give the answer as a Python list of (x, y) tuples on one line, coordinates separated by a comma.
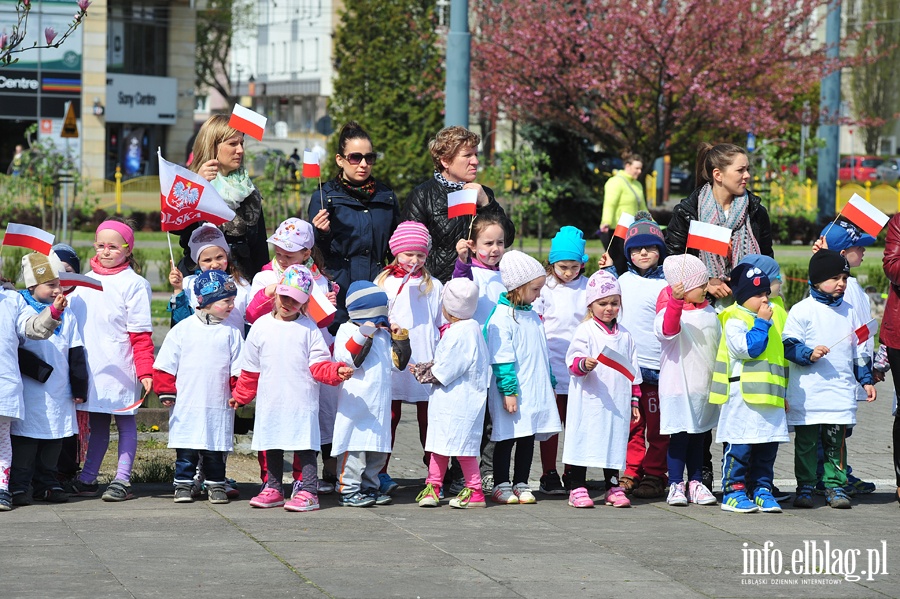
[(66, 253), (644, 231), (518, 268), (205, 236), (293, 235), (38, 268), (844, 234), (601, 284), (296, 282), (568, 244), (747, 281), (765, 264), (687, 269), (460, 298), (825, 264), (410, 236), (212, 286), (366, 301)]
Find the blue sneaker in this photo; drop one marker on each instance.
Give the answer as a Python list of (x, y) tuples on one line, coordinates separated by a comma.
[(766, 501), (804, 498), (379, 497), (737, 501), (356, 500), (837, 498), (860, 486), (388, 484)]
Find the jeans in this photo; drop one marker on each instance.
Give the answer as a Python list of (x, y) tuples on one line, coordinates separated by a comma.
[(685, 449), (34, 461), (186, 461)]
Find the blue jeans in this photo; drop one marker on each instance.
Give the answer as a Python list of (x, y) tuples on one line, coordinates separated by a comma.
[(186, 461), (685, 449), (742, 462)]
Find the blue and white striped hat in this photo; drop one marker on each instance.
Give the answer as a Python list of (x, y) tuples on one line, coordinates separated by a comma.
[(366, 301)]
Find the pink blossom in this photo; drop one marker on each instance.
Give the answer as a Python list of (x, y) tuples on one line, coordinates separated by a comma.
[(83, 5), (3, 39), (49, 35)]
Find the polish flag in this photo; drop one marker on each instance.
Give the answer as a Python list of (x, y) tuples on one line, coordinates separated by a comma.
[(248, 122), (461, 203), (186, 197), (866, 331), (622, 226), (709, 238), (610, 357), (71, 279), (865, 216), (358, 340), (319, 306), (26, 236), (311, 168)]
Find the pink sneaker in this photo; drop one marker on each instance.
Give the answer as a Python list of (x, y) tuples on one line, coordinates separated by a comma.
[(579, 498), (268, 497), (616, 498), (698, 493), (304, 501)]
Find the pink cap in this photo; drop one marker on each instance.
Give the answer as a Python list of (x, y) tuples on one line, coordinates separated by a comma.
[(410, 236), (120, 228)]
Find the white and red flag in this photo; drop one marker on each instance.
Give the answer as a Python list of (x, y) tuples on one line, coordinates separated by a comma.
[(311, 168), (709, 238), (26, 236), (461, 202), (866, 331), (71, 279), (610, 357), (625, 221), (319, 306), (865, 216), (186, 197), (355, 343), (248, 122)]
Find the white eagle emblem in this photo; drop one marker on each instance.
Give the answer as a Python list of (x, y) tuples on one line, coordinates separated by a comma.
[(183, 195)]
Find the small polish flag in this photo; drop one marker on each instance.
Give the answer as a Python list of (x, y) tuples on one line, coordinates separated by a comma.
[(71, 279), (610, 357), (247, 121), (26, 236), (864, 215), (622, 226), (461, 203), (358, 340), (311, 168), (319, 306), (866, 331), (709, 238)]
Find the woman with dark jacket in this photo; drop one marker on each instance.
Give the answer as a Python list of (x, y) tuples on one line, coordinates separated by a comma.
[(354, 216), (723, 172), (890, 324), (454, 151)]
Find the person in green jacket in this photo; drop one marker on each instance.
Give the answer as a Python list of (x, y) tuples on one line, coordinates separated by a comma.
[(623, 193)]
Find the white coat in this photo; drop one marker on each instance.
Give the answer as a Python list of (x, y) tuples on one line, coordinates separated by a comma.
[(12, 327), (563, 307), (490, 286)]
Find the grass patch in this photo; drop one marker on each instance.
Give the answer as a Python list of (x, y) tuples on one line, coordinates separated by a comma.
[(154, 469)]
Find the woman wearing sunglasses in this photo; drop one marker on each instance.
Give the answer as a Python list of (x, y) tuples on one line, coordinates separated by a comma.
[(354, 216)]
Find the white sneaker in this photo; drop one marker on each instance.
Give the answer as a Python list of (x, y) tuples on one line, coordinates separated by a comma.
[(325, 487), (523, 492), (700, 494), (676, 495)]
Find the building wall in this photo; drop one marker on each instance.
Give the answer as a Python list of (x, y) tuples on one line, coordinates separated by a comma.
[(93, 145), (182, 48)]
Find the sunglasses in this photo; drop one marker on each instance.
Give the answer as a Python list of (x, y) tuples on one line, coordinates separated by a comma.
[(355, 158)]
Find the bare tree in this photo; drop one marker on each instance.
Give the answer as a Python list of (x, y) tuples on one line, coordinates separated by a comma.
[(219, 25)]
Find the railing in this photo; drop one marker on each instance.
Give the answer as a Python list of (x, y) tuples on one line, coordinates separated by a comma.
[(804, 196)]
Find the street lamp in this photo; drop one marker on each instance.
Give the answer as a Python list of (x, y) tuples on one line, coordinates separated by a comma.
[(237, 90)]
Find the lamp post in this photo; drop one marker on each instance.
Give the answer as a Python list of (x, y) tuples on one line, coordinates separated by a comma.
[(237, 88)]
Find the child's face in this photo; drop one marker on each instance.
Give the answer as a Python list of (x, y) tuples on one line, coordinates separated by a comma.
[(286, 307), (697, 295), (46, 292), (854, 255), (754, 303), (567, 270), (775, 286), (111, 248), (532, 290), (222, 308), (644, 257), (285, 258), (411, 261), (490, 245), (606, 309), (834, 286), (213, 258)]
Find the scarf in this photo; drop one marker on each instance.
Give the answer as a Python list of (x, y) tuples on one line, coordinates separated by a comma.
[(743, 243), (504, 301), (102, 270), (825, 298), (447, 184), (40, 307), (234, 188), (360, 191), (399, 272)]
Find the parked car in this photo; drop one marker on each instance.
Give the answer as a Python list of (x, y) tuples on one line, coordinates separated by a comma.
[(859, 168), (681, 180), (889, 170)]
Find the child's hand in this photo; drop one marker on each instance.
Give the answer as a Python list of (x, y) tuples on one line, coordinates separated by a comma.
[(818, 352), (395, 328), (332, 297), (678, 291), (147, 382), (765, 311), (820, 244), (60, 302), (345, 372), (878, 375), (233, 403), (79, 400), (511, 403), (270, 290), (604, 261), (175, 276), (462, 249), (168, 403), (635, 414), (787, 406), (870, 392), (590, 364)]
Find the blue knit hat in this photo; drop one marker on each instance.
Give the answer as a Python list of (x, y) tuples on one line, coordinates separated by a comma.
[(568, 244), (212, 286), (366, 301), (844, 234), (747, 281), (642, 232), (66, 253), (765, 264)]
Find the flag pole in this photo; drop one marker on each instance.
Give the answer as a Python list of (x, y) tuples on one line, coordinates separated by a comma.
[(171, 255), (471, 223), (825, 234), (841, 339)]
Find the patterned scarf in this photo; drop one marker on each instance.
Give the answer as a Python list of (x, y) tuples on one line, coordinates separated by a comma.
[(234, 188), (39, 307), (362, 191), (447, 184), (743, 243)]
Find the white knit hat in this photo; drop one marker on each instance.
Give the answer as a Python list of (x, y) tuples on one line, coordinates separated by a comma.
[(38, 268), (601, 284), (518, 268), (460, 298), (205, 236), (687, 269)]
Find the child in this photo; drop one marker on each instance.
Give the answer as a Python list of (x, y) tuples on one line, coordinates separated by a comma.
[(415, 305), (771, 269), (50, 403), (689, 333), (282, 359), (460, 377), (603, 400), (562, 307), (362, 433), (195, 365), (645, 250), (750, 381), (520, 397), (818, 338), (115, 327)]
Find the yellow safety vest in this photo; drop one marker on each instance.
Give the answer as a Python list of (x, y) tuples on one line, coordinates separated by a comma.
[(763, 379)]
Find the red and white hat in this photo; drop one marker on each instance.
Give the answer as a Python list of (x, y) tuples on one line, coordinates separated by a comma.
[(410, 236)]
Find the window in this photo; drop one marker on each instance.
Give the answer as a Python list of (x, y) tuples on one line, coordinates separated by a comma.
[(139, 35), (872, 162)]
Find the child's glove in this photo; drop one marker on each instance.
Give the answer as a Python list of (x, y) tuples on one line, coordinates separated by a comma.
[(402, 351), (422, 372)]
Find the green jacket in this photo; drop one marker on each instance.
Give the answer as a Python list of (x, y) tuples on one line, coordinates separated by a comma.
[(621, 194)]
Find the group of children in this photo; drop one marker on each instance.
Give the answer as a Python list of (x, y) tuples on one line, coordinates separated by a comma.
[(639, 368)]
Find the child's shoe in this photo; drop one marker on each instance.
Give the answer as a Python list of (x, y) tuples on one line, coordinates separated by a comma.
[(296, 487), (324, 487), (616, 498), (357, 499), (118, 490), (231, 489), (487, 483), (837, 498), (628, 484), (183, 494), (503, 493), (580, 498), (468, 498), (456, 487), (77, 488), (52, 496), (706, 477), (268, 497), (524, 494), (676, 495), (737, 501), (700, 494), (217, 494), (804, 498), (304, 501), (5, 501), (766, 501), (650, 487), (781, 496), (21, 499), (861, 487), (429, 496), (551, 484), (379, 497), (388, 484)]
